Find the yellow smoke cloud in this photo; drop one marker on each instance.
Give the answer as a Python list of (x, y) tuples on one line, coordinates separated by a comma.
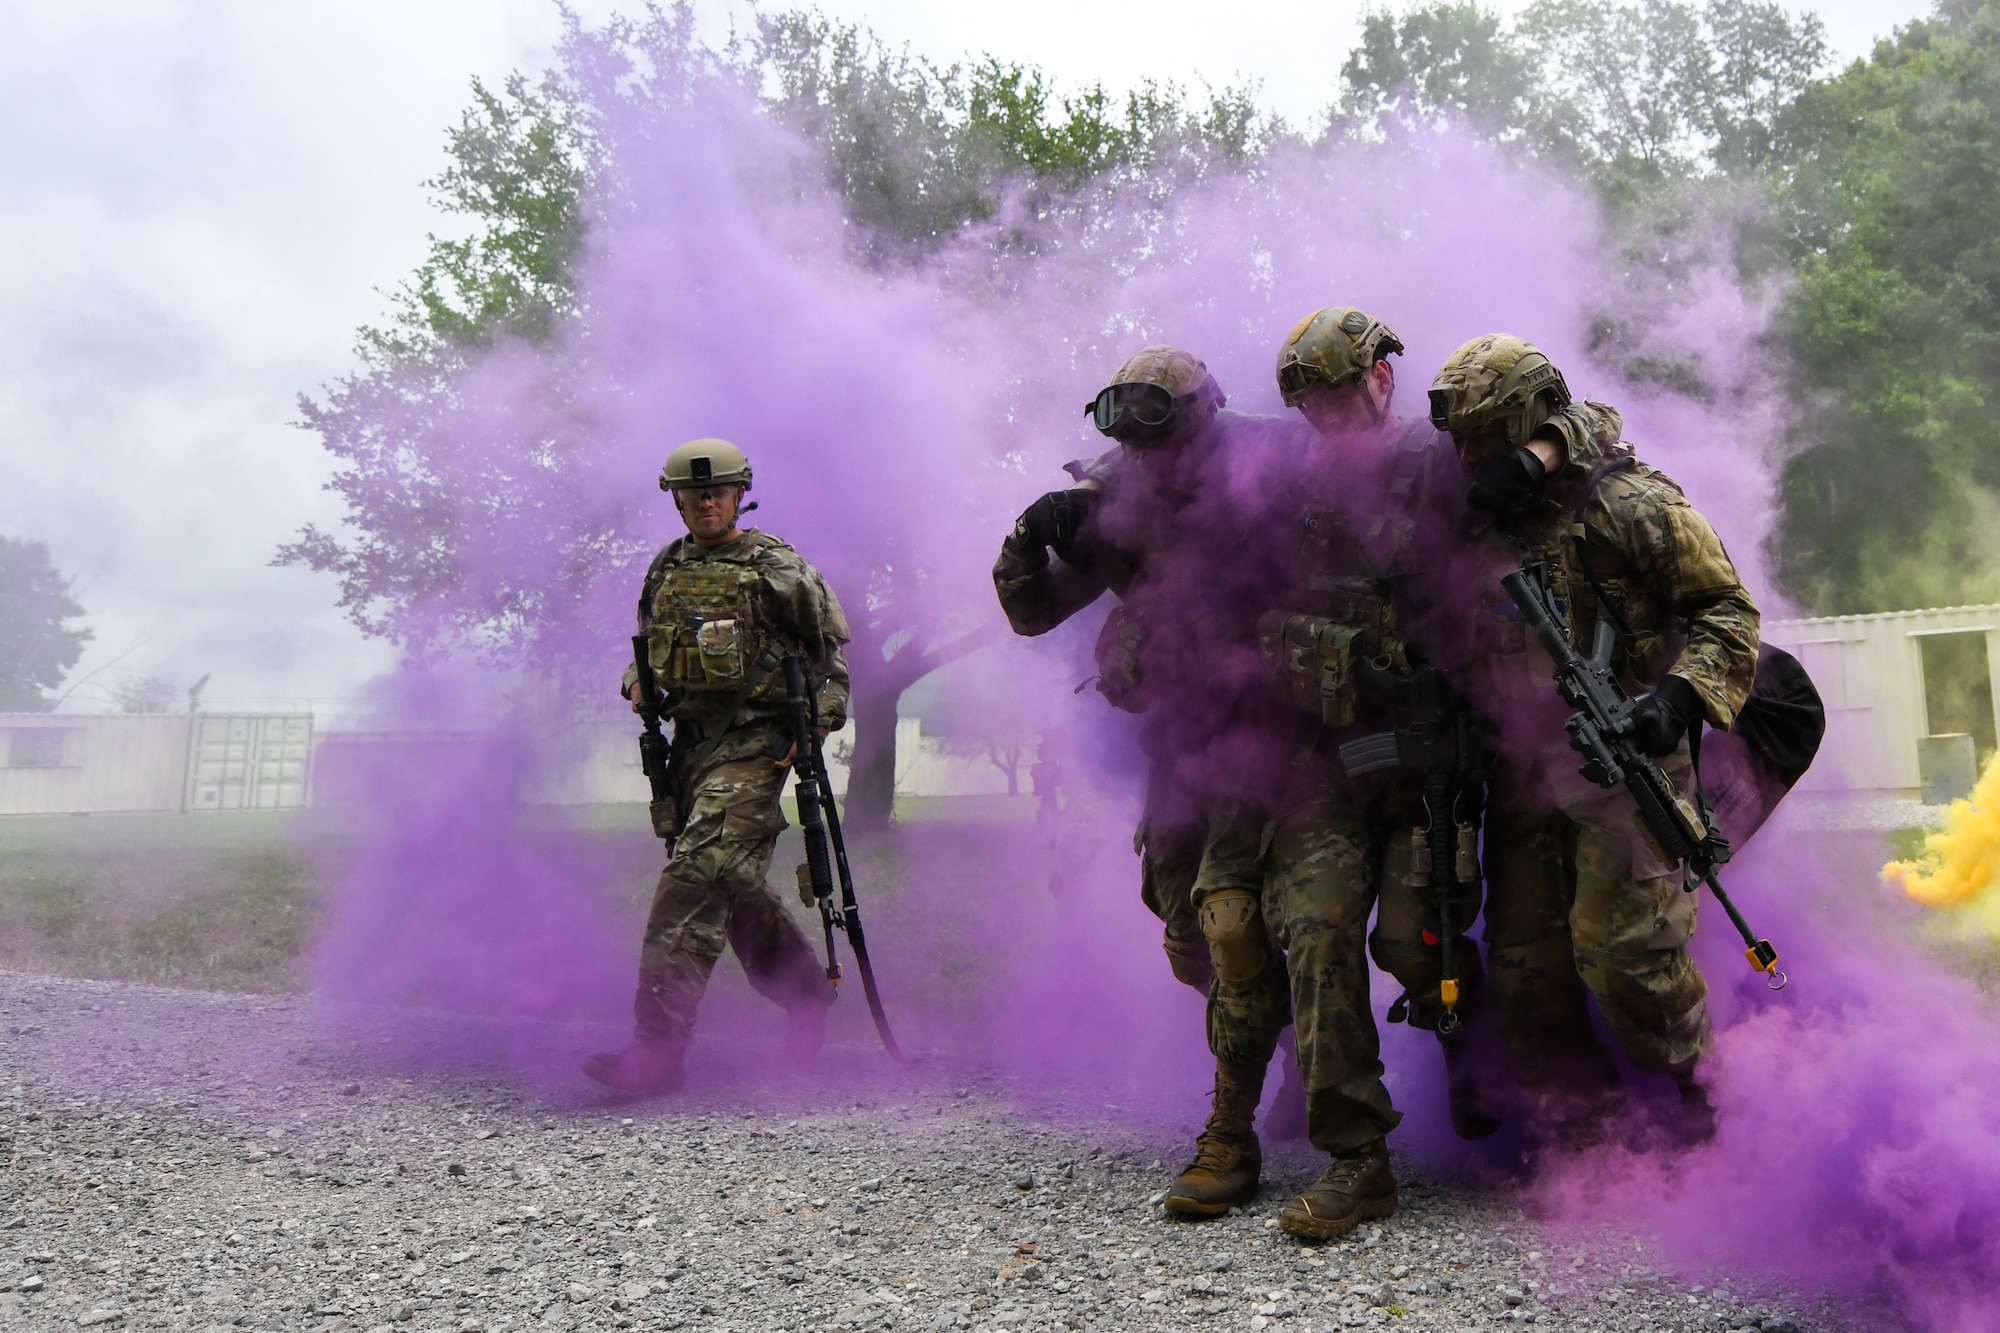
[(1959, 868)]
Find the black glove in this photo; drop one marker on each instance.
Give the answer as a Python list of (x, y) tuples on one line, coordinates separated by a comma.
[(1507, 485), (1661, 718), (1055, 520)]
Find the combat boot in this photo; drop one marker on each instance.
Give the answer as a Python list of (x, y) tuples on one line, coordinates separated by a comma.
[(1466, 1090), (1697, 1114), (1227, 1159), (648, 1067), (1356, 1187), (805, 1031)]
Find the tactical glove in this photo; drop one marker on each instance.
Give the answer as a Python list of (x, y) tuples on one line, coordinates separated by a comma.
[(1055, 520), (1661, 718), (1507, 485)]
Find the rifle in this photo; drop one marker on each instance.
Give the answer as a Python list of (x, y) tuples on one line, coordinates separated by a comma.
[(1440, 743), (655, 756), (1601, 731), (826, 850)]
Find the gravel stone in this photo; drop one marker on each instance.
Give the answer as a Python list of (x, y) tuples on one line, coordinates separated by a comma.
[(186, 1161)]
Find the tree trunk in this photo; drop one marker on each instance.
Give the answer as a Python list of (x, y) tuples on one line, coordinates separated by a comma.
[(875, 688), (871, 773)]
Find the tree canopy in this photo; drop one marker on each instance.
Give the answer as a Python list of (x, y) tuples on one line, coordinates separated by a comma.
[(1891, 186), (38, 645), (1864, 204)]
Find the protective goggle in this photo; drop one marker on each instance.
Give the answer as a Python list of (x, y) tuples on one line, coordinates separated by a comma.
[(1148, 407), (1441, 409)]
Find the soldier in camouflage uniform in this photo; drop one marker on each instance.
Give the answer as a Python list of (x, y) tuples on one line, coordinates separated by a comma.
[(1625, 547), (1377, 494), (722, 606), (1142, 521)]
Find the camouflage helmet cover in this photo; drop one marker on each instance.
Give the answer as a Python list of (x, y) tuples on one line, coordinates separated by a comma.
[(1501, 380), (1179, 373), (705, 463), (1329, 347)]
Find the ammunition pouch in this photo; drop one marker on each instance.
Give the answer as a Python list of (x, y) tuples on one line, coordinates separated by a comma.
[(1119, 644), (1189, 961), (707, 633), (666, 818), (1312, 660)]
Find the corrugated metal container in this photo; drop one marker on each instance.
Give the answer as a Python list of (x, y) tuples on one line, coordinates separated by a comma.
[(61, 764), (240, 761), (1870, 674)]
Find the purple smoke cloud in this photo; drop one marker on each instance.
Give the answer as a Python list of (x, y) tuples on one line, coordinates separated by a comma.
[(898, 419)]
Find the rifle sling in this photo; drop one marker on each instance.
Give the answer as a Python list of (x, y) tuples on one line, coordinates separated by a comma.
[(1597, 475)]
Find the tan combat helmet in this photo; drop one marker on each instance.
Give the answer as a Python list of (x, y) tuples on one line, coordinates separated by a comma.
[(1329, 347), (1150, 390), (705, 463), (1497, 380)]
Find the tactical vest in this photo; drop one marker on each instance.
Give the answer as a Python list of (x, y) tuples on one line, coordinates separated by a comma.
[(709, 627), (1316, 658)]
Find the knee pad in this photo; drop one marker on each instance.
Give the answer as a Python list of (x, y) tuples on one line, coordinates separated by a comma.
[(1238, 944)]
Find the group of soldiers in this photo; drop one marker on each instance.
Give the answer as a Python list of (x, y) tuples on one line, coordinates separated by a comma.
[(1343, 714)]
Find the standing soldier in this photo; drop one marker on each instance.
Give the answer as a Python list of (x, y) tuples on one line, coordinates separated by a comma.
[(1141, 521), (1622, 546), (1379, 497), (722, 607)]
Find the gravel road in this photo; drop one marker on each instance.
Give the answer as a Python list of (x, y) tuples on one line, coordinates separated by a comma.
[(189, 1160)]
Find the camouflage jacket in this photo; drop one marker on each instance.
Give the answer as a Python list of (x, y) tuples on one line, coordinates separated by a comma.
[(1667, 585), (1167, 557), (1362, 567), (794, 611)]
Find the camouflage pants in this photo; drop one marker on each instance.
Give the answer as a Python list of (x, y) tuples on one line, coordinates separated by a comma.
[(1169, 841), (1326, 872), (1249, 1002), (1538, 993), (1631, 922), (713, 892)]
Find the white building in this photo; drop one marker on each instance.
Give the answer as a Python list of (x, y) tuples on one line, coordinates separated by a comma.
[(1870, 670)]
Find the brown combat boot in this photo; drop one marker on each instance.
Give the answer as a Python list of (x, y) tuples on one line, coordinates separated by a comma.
[(648, 1067), (1356, 1187), (1227, 1159)]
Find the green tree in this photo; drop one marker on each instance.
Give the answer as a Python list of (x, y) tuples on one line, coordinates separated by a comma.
[(1894, 323), (37, 643), (916, 152), (1628, 94)]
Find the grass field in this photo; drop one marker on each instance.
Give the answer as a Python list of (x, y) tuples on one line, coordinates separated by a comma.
[(225, 901), (232, 901)]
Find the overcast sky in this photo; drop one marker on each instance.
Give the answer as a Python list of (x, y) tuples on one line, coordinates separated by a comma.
[(199, 201)]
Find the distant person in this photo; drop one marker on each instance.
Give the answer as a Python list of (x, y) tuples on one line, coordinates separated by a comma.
[(722, 606)]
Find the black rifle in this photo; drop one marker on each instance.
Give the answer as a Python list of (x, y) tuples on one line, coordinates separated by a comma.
[(826, 850), (1601, 731), (655, 756), (1440, 741)]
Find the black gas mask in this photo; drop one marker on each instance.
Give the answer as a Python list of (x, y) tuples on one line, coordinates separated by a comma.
[(1507, 484)]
